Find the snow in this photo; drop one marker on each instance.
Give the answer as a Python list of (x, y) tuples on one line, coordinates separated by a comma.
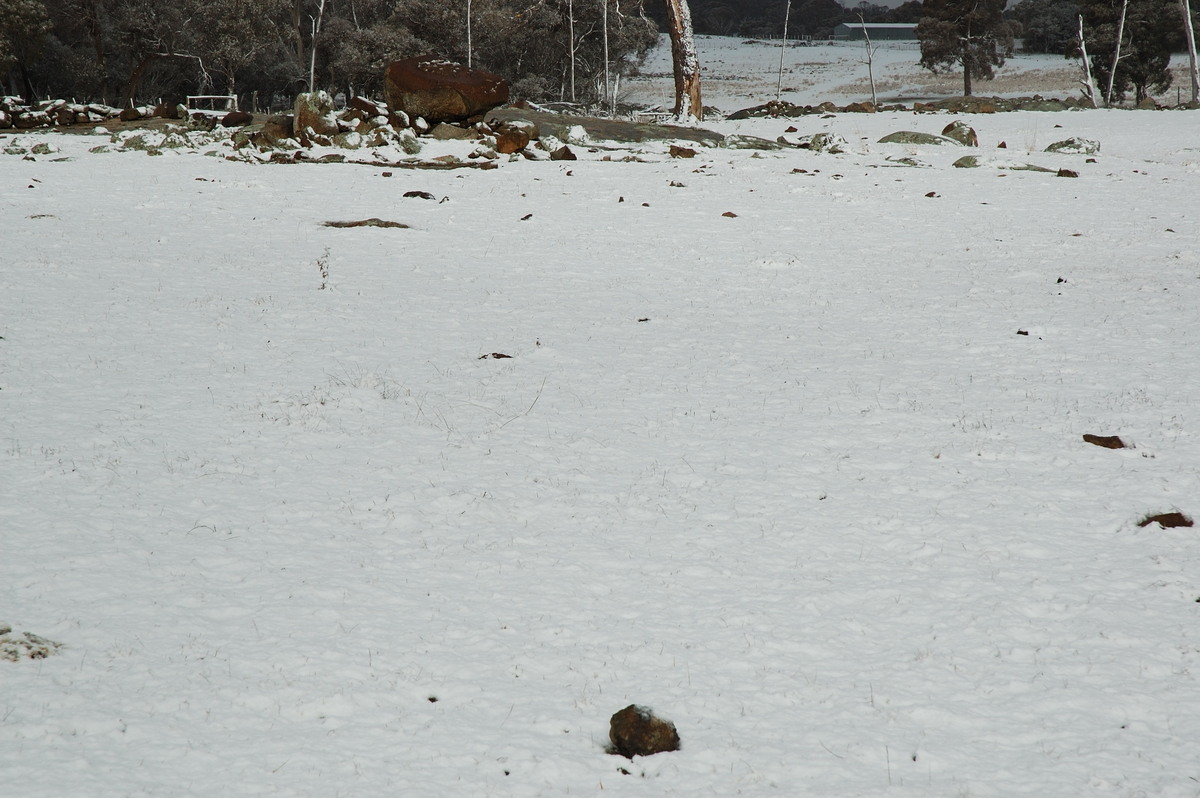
[(795, 479)]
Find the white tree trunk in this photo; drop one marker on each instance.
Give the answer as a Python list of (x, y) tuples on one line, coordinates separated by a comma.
[(787, 12), (683, 57), (571, 37), (1112, 73), (316, 30), (608, 97), (1089, 85), (1194, 69), (870, 59)]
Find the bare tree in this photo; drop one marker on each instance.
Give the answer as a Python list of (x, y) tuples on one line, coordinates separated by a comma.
[(787, 12), (684, 60), (1089, 85), (1112, 73), (316, 31), (870, 49), (1193, 68)]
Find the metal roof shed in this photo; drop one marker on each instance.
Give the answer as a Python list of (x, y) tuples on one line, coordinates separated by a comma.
[(878, 31)]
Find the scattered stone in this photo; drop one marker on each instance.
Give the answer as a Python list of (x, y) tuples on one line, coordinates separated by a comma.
[(514, 136), (682, 152), (1107, 441), (314, 112), (742, 142), (1067, 173), (440, 90), (730, 214), (372, 222), (1075, 146), (563, 153), (495, 356), (962, 133), (414, 194), (27, 645), (236, 119), (914, 137), (860, 108), (447, 132), (636, 731), (974, 161), (1167, 520)]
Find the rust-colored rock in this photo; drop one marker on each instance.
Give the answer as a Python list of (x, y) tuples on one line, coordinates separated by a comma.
[(1107, 441), (962, 133), (682, 152), (514, 136), (440, 90), (1167, 520), (636, 731), (236, 119)]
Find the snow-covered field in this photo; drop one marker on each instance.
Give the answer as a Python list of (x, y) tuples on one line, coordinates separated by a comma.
[(808, 480), (741, 72)]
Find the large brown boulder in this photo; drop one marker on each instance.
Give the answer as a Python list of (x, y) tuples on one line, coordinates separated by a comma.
[(637, 731), (439, 90)]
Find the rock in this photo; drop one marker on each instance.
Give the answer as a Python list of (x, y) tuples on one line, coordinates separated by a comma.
[(32, 119), (1075, 146), (860, 108), (1167, 520), (560, 125), (367, 108), (973, 161), (236, 119), (277, 128), (445, 132), (962, 133), (636, 731), (1067, 173), (167, 110), (1107, 441), (439, 90), (682, 152), (738, 141), (773, 108), (831, 143), (913, 137), (563, 153), (514, 136), (130, 114), (314, 111)]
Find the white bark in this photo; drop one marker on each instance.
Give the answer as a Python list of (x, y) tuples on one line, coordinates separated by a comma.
[(1193, 68), (870, 59), (1089, 85), (1112, 73), (787, 12), (316, 30)]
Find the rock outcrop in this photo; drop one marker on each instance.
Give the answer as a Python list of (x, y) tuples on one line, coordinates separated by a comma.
[(440, 90)]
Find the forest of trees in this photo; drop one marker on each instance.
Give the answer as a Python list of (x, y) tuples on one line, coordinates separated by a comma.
[(265, 51), (122, 51)]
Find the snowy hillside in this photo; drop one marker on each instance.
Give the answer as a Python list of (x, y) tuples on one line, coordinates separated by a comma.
[(787, 446)]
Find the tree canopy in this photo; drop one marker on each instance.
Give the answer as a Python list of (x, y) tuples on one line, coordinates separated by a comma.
[(971, 34), (133, 50)]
